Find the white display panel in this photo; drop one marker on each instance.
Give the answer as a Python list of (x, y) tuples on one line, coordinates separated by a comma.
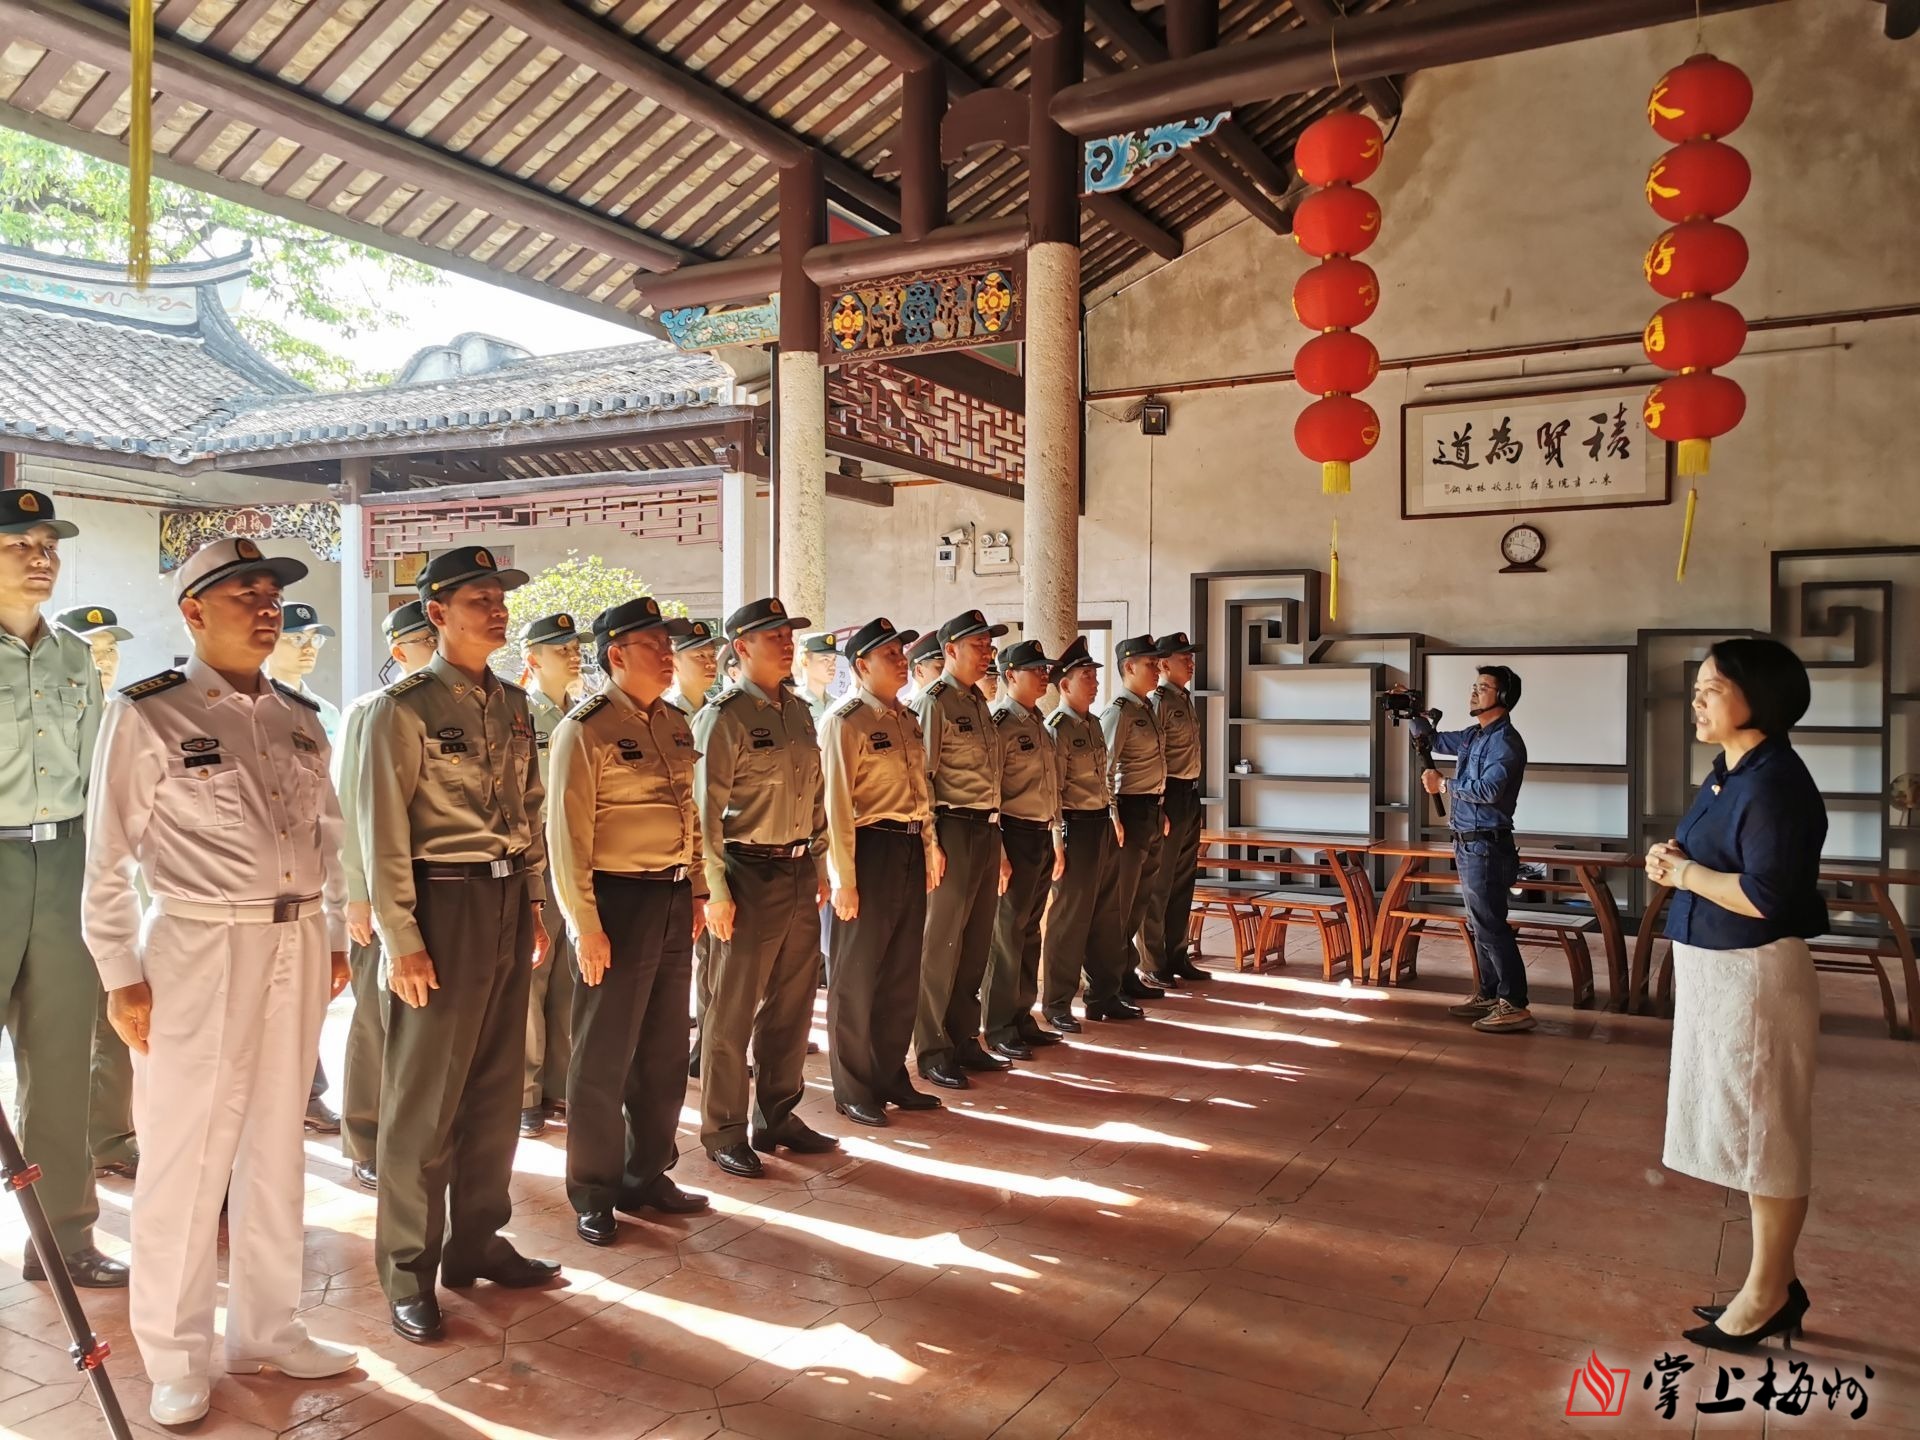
[(1573, 707)]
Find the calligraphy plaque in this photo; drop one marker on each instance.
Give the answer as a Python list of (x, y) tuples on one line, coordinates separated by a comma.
[(914, 314), (1578, 449)]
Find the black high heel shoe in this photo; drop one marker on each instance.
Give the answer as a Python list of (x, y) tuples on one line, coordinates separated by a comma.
[(1795, 1291), (1785, 1322)]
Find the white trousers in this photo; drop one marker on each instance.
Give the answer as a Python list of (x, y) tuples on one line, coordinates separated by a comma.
[(217, 1103)]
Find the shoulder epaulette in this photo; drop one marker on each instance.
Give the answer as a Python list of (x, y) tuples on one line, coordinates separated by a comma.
[(154, 684), (588, 708), (847, 706), (410, 682), (940, 686), (297, 698), (1056, 717), (1001, 713), (730, 696)]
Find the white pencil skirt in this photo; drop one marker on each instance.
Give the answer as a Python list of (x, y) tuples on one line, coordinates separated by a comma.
[(1740, 1093)]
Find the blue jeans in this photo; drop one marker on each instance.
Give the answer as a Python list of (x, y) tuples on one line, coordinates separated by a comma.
[(1487, 868)]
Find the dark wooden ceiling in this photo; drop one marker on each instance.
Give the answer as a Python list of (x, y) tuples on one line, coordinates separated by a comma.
[(533, 139)]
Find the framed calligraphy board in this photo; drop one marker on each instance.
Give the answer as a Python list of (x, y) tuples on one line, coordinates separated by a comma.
[(1579, 449)]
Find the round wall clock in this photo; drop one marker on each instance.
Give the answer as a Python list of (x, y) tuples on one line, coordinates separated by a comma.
[(1522, 547)]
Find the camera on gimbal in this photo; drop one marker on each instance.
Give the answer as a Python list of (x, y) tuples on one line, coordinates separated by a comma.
[(1404, 704)]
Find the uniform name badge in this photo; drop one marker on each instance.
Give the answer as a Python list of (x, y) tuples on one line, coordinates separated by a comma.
[(305, 743)]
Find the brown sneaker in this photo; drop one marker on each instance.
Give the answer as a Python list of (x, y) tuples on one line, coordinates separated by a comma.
[(1473, 1007), (1505, 1019)]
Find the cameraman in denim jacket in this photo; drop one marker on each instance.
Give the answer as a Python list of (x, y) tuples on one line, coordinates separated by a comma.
[(1492, 761)]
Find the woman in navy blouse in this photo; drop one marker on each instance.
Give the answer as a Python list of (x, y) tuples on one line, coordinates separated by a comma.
[(1745, 866)]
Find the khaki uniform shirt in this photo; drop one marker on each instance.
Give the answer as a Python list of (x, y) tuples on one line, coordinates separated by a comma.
[(210, 796), (759, 779), (1136, 757), (1080, 758), (546, 716), (963, 753), (50, 707), (348, 756), (450, 774), (1179, 730), (817, 705), (1029, 779), (622, 800), (876, 769)]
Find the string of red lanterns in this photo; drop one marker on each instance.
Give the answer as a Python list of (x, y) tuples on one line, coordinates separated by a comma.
[(1692, 186)]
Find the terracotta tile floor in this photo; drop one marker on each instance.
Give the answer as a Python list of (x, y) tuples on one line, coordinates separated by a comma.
[(1276, 1209)]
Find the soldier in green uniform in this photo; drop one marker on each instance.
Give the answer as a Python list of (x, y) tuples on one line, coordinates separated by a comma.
[(925, 661), (963, 772), (50, 706), (1085, 880), (552, 645), (696, 670), (624, 836), (110, 1110), (410, 645), (450, 819), (819, 663), (883, 860), (763, 824), (1163, 933), (1137, 772), (1029, 817)]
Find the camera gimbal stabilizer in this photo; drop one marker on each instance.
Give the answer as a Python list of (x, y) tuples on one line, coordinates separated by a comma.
[(1405, 705)]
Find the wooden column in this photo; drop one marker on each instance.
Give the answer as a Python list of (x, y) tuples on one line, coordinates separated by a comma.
[(923, 178), (1050, 582), (360, 648), (800, 486)]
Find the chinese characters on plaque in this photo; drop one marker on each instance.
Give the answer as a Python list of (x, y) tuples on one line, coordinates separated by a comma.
[(1573, 450)]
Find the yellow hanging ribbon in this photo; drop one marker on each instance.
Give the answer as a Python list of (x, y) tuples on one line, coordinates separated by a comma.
[(1333, 596), (140, 142), (1686, 534)]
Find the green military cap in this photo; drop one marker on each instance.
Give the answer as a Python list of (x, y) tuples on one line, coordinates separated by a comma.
[(768, 614), (551, 630), (224, 559), (926, 648), (87, 621), (23, 510), (299, 619), (1025, 655), (1178, 644), (627, 617), (446, 573), (1074, 657), (968, 624), (404, 620), (872, 635), (823, 643), (697, 635), (1138, 647)]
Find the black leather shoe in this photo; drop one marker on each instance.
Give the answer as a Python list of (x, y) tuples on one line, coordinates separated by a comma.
[(813, 1047), (533, 1122), (418, 1319), (797, 1136), (365, 1176), (666, 1197), (321, 1120), (596, 1227), (947, 1077), (1191, 972), (513, 1270), (1115, 1009), (972, 1057), (1796, 1292), (1166, 980), (127, 1169), (89, 1268), (1134, 988), (737, 1159), (912, 1099), (1010, 1049), (1031, 1034), (865, 1114), (1063, 1021)]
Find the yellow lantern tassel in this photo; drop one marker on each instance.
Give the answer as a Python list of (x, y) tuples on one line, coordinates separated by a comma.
[(1333, 594), (1336, 477), (1693, 457), (1686, 532), (140, 142)]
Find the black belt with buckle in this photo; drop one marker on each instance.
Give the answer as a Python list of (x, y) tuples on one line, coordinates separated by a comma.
[(471, 869), (1087, 815), (1015, 822), (1138, 801), (671, 876), (40, 832), (982, 817), (1496, 836), (1175, 780), (895, 827), (796, 851)]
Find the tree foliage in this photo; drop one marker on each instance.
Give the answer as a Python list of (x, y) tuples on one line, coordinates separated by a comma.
[(66, 203), (582, 588)]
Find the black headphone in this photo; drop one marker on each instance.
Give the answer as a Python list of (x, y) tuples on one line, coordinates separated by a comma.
[(1508, 694)]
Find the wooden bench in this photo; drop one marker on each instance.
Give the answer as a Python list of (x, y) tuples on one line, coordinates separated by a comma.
[(1232, 900), (1530, 927), (1835, 954), (1325, 910)]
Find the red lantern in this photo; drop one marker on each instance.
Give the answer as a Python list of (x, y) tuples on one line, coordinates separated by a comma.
[(1336, 294), (1700, 98), (1696, 257), (1338, 362), (1689, 410), (1336, 430), (1343, 148), (1698, 179), (1695, 334), (1340, 220)]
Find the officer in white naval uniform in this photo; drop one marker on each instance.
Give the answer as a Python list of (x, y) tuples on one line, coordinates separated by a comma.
[(210, 784)]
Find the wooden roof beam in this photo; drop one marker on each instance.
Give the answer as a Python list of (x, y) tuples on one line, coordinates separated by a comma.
[(1382, 93)]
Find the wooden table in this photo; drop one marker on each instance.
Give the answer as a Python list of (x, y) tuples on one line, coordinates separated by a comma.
[(1878, 900), (1588, 867), (1336, 863)]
